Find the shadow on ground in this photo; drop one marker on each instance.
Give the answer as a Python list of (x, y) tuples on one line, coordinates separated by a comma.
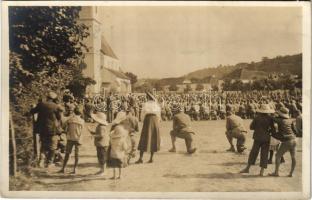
[(210, 175)]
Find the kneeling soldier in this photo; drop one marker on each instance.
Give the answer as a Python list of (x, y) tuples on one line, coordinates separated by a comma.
[(181, 129), (235, 129)]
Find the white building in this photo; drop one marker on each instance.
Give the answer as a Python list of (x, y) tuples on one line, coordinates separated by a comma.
[(102, 64)]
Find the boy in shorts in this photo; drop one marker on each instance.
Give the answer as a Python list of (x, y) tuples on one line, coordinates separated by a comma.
[(74, 126)]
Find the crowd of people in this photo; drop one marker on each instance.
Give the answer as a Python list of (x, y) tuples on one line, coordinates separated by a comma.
[(117, 118), (199, 106)]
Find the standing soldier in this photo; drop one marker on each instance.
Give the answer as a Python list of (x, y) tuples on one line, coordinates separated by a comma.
[(222, 110), (253, 108), (109, 104), (242, 110)]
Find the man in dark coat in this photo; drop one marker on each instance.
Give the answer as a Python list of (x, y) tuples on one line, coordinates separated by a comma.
[(263, 126), (49, 116), (181, 129)]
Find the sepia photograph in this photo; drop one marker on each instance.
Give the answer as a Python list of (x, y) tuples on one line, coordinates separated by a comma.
[(156, 99)]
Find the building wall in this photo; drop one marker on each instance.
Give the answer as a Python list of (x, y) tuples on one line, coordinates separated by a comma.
[(110, 62), (113, 83), (89, 16)]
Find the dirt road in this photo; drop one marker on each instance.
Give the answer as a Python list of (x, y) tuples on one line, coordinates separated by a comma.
[(211, 169)]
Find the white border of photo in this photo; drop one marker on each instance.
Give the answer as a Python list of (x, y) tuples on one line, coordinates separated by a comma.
[(306, 45)]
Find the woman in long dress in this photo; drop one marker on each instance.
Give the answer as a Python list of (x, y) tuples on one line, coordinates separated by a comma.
[(150, 137)]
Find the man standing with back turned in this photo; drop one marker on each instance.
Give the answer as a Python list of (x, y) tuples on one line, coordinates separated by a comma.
[(49, 115)]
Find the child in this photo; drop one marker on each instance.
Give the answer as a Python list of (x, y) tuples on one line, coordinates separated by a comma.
[(131, 124), (288, 140), (73, 127), (118, 145), (101, 140)]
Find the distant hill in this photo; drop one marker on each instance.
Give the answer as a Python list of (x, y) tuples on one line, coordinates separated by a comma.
[(280, 64), (290, 64), (246, 74), (218, 72)]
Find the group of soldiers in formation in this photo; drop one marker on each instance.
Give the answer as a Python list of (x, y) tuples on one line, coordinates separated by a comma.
[(198, 106)]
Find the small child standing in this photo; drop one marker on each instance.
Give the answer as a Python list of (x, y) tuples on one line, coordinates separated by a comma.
[(101, 140), (73, 128), (119, 147)]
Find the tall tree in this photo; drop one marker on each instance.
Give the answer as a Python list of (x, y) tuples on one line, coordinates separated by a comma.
[(46, 47)]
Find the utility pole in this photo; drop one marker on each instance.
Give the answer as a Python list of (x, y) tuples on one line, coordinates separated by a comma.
[(13, 165)]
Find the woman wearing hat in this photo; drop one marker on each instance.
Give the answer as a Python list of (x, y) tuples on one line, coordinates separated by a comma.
[(262, 125), (288, 140), (150, 137)]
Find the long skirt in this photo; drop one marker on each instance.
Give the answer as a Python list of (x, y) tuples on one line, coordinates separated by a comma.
[(150, 137)]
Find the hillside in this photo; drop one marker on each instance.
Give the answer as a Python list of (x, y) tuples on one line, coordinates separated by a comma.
[(280, 64), (245, 74)]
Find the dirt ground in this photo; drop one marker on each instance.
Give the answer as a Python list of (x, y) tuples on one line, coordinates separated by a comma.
[(211, 169)]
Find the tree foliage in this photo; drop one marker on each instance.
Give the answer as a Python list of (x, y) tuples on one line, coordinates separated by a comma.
[(199, 87), (146, 87), (188, 88), (46, 49), (173, 88), (262, 84), (133, 77)]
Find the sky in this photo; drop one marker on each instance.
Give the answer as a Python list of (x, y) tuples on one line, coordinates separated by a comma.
[(160, 42)]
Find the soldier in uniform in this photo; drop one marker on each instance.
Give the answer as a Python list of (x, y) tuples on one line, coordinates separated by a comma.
[(242, 110), (181, 129), (235, 129), (109, 104)]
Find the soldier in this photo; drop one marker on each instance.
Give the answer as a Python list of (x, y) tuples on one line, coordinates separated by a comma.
[(181, 129), (242, 110), (235, 129), (222, 110), (109, 104)]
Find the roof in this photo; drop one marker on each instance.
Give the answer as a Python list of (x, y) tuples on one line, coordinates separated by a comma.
[(118, 73), (186, 81), (106, 48)]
